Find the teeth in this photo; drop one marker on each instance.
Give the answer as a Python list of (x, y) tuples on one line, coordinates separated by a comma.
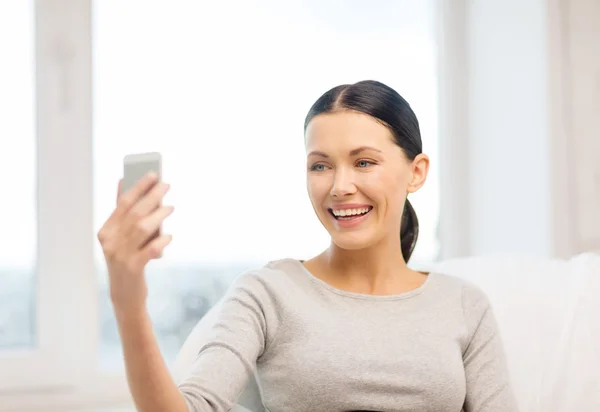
[(350, 212)]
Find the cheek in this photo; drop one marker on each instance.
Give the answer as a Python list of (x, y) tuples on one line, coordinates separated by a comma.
[(376, 184), (384, 187), (317, 189)]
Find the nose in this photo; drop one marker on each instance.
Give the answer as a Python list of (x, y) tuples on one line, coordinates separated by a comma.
[(343, 184)]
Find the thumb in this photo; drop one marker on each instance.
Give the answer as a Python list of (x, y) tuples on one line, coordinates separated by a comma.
[(119, 189)]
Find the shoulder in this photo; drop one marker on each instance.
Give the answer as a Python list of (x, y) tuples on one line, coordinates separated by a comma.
[(470, 292), (274, 278), (272, 272), (473, 300), (470, 302)]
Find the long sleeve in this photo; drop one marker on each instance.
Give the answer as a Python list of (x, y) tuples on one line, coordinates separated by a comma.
[(245, 324), (487, 377)]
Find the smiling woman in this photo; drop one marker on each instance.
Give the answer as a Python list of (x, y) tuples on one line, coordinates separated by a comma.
[(355, 318), (352, 319)]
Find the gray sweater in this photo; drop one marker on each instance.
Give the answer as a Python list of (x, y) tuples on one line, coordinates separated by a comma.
[(317, 348)]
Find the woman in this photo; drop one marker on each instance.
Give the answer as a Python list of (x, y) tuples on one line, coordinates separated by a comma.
[(350, 329)]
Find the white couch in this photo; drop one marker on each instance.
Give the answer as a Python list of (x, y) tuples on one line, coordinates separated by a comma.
[(548, 312)]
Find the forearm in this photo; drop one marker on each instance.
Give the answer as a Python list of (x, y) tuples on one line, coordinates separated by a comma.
[(150, 381)]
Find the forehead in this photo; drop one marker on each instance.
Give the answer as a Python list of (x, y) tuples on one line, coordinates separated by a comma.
[(346, 130)]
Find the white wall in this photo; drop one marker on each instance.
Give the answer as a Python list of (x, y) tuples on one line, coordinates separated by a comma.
[(522, 164), (509, 162)]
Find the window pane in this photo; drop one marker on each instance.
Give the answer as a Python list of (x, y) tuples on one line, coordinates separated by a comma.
[(17, 171), (221, 89)]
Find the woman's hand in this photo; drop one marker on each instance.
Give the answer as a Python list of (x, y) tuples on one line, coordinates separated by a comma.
[(130, 239)]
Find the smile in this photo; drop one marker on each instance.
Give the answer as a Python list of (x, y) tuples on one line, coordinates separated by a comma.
[(350, 213)]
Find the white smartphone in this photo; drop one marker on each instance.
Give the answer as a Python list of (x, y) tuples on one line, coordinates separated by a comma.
[(136, 166)]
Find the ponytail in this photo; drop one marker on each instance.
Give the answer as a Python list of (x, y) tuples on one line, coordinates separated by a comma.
[(409, 230)]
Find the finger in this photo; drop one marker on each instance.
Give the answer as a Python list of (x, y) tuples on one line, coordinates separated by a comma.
[(128, 199), (108, 227), (125, 201), (148, 227), (146, 205), (154, 249)]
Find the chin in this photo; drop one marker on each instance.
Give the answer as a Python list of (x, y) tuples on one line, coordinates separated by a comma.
[(352, 241)]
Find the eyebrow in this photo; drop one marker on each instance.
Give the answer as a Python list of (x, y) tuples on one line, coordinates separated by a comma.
[(361, 149), (352, 152)]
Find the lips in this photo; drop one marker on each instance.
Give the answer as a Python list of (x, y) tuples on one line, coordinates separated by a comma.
[(350, 213)]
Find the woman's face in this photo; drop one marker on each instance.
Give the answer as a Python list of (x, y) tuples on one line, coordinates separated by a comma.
[(358, 178)]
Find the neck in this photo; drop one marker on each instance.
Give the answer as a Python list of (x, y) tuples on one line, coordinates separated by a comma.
[(372, 269)]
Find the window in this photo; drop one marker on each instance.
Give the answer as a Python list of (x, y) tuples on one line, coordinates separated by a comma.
[(223, 96), (18, 170), (221, 89)]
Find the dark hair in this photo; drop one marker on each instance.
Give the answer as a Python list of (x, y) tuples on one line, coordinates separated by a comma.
[(387, 106)]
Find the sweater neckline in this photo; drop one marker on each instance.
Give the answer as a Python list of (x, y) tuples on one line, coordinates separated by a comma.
[(362, 296)]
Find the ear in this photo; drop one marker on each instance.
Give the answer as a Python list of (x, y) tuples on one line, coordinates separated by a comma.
[(419, 170)]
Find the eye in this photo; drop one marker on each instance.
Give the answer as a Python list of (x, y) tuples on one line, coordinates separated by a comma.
[(318, 167), (364, 163)]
